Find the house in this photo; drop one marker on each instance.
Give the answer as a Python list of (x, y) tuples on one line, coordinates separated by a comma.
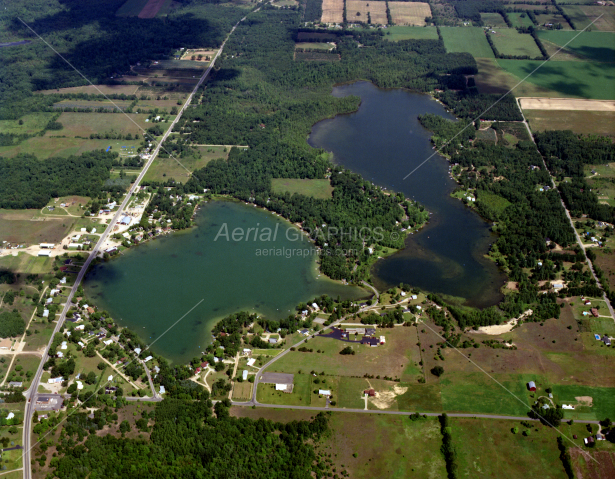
[(599, 437), (606, 340), (244, 374), (286, 388), (149, 358), (79, 385), (325, 392), (382, 340), (251, 361), (81, 327), (273, 340), (15, 384), (60, 354), (305, 332), (594, 312), (247, 352), (531, 386), (55, 380), (589, 441), (372, 342), (162, 390), (10, 415), (370, 331), (137, 351), (355, 331), (369, 392)]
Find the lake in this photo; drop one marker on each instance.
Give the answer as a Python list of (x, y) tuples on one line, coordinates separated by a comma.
[(384, 142), (153, 285)]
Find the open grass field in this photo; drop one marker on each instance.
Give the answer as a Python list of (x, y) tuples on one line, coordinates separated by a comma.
[(38, 339), (487, 448), (566, 78), (390, 359), (242, 390), (606, 262), (371, 446), (509, 41), (357, 11), (466, 39), (332, 11), (131, 8), (32, 123), (24, 368), (595, 46), (409, 13), (583, 15), (18, 227), (96, 89), (584, 122), (315, 188), (602, 401), (119, 105), (494, 20), (43, 147), (164, 168), (26, 264), (83, 124), (546, 4), (396, 33), (519, 21)]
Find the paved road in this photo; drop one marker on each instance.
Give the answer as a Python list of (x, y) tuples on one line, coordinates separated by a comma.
[(576, 234), (31, 393)]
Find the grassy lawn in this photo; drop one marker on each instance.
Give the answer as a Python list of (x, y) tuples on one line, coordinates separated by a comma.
[(603, 401), (41, 333), (566, 78), (350, 392), (390, 359), (466, 39), (582, 122), (476, 392), (321, 189), (400, 32), (385, 446), (242, 390), (480, 446), (301, 395), (509, 41), (32, 123), (594, 46)]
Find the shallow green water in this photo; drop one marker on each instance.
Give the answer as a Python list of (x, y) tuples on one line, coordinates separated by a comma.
[(152, 286)]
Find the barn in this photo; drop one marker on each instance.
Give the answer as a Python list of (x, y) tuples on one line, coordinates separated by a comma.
[(531, 386)]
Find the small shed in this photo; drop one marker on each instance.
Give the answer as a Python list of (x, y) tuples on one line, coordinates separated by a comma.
[(531, 386)]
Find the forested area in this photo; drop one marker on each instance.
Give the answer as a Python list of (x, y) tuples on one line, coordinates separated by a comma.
[(11, 324), (26, 182), (313, 11), (472, 105), (566, 155), (188, 441), (96, 42)]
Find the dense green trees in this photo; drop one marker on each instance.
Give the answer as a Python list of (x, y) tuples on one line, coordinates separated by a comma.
[(26, 182), (11, 324), (187, 441)]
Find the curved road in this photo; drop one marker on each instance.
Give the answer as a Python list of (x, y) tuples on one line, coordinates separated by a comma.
[(31, 393)]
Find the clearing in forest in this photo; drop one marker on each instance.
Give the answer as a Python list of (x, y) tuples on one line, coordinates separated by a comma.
[(409, 13), (151, 8)]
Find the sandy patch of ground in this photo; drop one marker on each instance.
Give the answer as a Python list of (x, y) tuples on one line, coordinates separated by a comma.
[(503, 328), (585, 400), (513, 285), (385, 399), (535, 103)]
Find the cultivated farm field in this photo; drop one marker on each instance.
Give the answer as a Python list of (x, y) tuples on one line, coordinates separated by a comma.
[(332, 11), (357, 11), (466, 39), (96, 89), (83, 124), (494, 20), (27, 226), (582, 122), (583, 15), (409, 13), (396, 33), (595, 46), (509, 41)]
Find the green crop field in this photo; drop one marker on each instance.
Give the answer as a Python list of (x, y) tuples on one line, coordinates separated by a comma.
[(519, 21), (401, 32), (595, 46), (566, 78), (493, 20), (509, 41), (26, 264), (315, 188), (492, 78), (466, 39)]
